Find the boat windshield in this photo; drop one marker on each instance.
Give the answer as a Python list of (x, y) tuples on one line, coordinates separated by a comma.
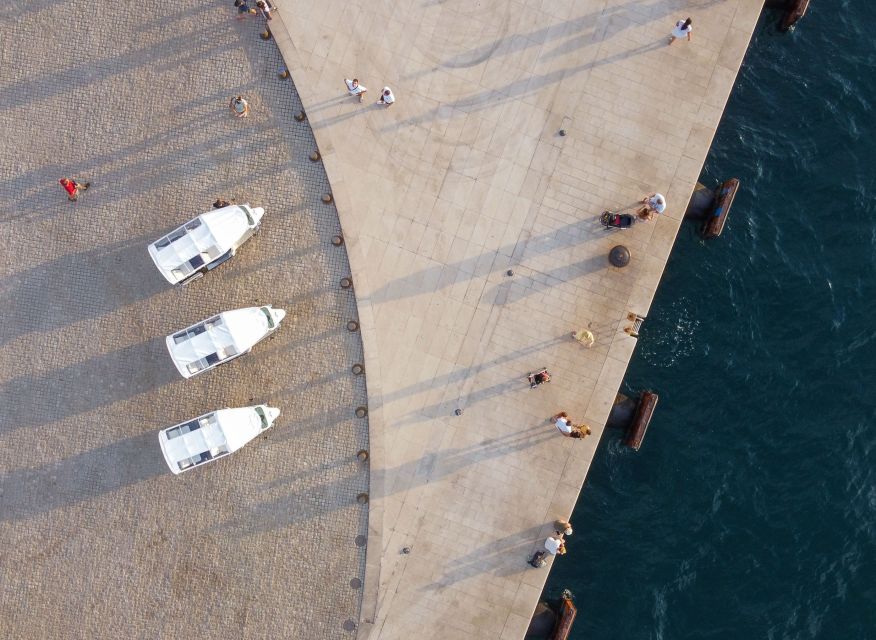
[(268, 315)]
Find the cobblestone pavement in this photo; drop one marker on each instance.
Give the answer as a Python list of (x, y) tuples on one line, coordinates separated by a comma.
[(99, 539)]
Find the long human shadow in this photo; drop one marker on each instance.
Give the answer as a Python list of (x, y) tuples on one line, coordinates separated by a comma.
[(509, 44), (27, 181), (461, 374), (292, 254), (33, 400), (443, 408), (78, 286), (331, 102), (435, 277), (505, 295), (202, 43), (328, 122), (513, 43), (616, 19), (518, 89), (14, 10), (138, 172), (25, 493), (441, 464), (300, 504), (500, 557)]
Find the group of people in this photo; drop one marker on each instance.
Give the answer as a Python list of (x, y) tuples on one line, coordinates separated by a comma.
[(554, 545), (564, 425), (357, 90), (244, 9), (651, 204)]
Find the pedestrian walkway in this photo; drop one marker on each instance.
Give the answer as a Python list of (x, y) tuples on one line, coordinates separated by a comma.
[(472, 229)]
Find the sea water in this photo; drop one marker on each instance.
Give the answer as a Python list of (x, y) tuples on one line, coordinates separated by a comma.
[(750, 511)]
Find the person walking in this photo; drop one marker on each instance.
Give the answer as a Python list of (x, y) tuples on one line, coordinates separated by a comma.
[(386, 98), (239, 107), (73, 188), (682, 30), (355, 88)]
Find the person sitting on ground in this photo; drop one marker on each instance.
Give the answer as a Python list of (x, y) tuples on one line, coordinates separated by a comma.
[(654, 203), (682, 30), (387, 97), (553, 545), (538, 378), (563, 527), (580, 431), (562, 422), (264, 8)]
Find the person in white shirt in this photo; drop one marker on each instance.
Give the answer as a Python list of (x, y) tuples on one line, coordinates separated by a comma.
[(654, 203), (562, 422), (682, 30), (553, 544), (386, 98), (355, 88), (265, 8)]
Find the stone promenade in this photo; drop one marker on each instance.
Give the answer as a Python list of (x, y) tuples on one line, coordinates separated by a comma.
[(462, 181), (97, 538)]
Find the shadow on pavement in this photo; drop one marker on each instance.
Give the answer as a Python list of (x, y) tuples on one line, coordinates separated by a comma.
[(301, 499), (443, 276), (501, 557), (29, 401), (78, 286), (28, 492)]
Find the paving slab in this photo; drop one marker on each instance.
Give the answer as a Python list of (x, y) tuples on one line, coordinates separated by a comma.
[(473, 236)]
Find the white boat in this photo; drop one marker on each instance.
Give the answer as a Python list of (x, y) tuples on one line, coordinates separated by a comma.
[(213, 435)]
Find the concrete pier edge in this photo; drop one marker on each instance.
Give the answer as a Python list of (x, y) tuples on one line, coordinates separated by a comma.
[(681, 186)]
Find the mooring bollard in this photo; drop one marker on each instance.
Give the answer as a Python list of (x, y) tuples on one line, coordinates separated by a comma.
[(619, 256)]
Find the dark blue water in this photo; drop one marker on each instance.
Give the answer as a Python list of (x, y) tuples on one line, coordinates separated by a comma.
[(750, 511)]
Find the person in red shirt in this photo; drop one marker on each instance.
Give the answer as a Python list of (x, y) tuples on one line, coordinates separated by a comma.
[(73, 188)]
